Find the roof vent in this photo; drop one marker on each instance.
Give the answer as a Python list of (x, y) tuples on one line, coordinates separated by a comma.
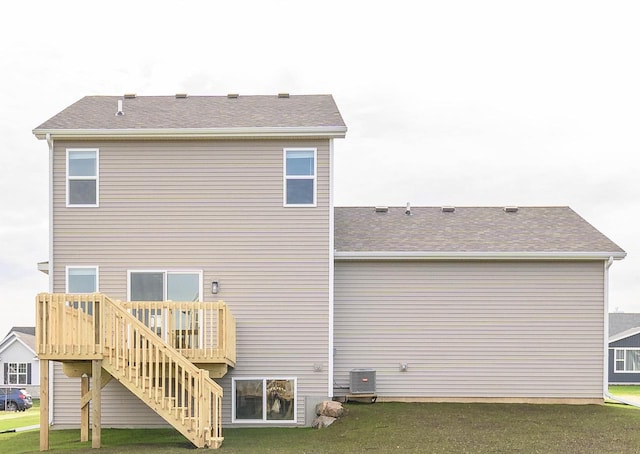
[(233, 95), (382, 209), (283, 95), (448, 209), (119, 112), (510, 209), (407, 211), (181, 95), (129, 96)]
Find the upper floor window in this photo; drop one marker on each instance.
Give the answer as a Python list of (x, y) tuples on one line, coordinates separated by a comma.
[(82, 177), (300, 177)]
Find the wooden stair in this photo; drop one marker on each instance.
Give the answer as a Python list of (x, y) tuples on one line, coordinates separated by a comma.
[(162, 378), (85, 329)]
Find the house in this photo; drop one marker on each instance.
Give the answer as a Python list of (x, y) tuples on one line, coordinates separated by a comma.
[(624, 348), (18, 359), (472, 303), (208, 228)]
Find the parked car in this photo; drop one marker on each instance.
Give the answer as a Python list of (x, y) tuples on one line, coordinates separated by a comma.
[(14, 399)]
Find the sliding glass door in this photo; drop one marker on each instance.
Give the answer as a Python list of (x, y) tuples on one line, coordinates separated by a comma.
[(175, 324)]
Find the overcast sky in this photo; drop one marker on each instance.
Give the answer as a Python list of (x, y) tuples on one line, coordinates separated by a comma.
[(447, 102)]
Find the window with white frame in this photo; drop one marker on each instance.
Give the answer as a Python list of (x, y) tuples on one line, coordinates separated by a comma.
[(82, 279), (17, 373), (82, 177), (300, 176), (264, 399), (627, 360), (165, 285)]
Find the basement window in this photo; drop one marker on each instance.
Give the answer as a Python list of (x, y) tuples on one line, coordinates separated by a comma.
[(300, 177), (264, 400), (82, 177)]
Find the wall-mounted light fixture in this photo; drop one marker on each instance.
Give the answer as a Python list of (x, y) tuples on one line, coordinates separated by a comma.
[(215, 287), (403, 367)]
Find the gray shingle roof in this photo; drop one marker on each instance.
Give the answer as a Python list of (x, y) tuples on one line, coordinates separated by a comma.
[(24, 329), (28, 339), (197, 112), (620, 322), (469, 230), (26, 334)]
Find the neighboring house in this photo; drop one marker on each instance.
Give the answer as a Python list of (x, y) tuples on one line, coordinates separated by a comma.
[(18, 359), (624, 348), (205, 198)]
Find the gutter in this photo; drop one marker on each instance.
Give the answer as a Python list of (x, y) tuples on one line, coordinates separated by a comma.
[(418, 255), (194, 133)]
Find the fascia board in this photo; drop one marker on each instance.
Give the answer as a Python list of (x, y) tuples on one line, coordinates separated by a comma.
[(13, 340), (194, 133), (624, 335), (385, 255), (7, 341)]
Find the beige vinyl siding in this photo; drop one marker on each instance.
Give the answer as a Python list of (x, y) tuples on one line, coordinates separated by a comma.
[(472, 329), (119, 406), (215, 206)]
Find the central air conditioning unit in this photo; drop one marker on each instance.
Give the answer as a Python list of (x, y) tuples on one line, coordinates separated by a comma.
[(362, 381)]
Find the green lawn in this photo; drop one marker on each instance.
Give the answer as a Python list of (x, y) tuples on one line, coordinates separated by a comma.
[(397, 427), (12, 420), (625, 390)]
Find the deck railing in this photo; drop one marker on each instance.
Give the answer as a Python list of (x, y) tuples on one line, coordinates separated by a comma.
[(66, 328), (201, 331), (92, 326)]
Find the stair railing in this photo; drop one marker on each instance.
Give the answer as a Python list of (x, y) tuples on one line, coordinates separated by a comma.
[(92, 326), (160, 372)]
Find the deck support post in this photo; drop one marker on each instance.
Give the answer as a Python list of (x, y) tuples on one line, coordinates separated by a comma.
[(44, 405), (96, 391), (84, 408)]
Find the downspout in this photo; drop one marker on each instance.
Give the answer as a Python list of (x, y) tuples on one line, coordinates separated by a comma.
[(605, 375), (620, 400), (607, 265), (51, 267), (332, 259)]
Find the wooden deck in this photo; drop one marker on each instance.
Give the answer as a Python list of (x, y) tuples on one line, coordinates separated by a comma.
[(152, 348)]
